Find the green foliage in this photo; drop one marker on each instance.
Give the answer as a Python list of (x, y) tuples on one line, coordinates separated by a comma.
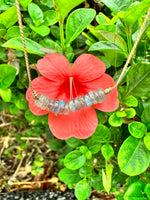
[(77, 22), (7, 75), (133, 160), (124, 134)]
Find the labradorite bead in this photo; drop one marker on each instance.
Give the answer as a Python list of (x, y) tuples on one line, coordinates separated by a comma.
[(62, 106), (92, 97), (87, 100), (101, 94), (78, 104), (66, 109), (56, 106), (72, 105), (50, 104), (82, 101)]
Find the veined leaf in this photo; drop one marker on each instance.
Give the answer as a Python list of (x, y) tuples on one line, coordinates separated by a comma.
[(31, 46)]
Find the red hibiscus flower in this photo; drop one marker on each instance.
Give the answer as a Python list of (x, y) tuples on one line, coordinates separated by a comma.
[(61, 82)]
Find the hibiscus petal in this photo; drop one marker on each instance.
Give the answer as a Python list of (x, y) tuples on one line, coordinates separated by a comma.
[(54, 66), (105, 81), (88, 67), (80, 124), (42, 85)]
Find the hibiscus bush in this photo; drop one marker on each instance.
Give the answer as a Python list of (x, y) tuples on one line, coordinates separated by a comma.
[(75, 47)]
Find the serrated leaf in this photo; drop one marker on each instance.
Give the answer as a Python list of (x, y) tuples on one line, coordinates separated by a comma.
[(133, 157), (14, 31), (77, 22), (74, 142), (115, 121), (25, 3), (147, 190), (147, 141)]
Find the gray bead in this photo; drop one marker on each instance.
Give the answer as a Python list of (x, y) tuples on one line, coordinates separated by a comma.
[(50, 104), (66, 109), (101, 94), (88, 100), (72, 105), (82, 101), (78, 103), (62, 107), (97, 97), (56, 107), (92, 97)]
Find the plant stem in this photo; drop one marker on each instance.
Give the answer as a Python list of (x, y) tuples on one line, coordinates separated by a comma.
[(128, 32), (62, 36)]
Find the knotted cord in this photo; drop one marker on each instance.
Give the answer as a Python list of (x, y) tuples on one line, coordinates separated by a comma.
[(106, 91)]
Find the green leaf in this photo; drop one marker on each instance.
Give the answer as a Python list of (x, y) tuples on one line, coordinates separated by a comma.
[(117, 5), (3, 5), (130, 112), (41, 30), (107, 151), (135, 191), (2, 30), (69, 176), (63, 7), (133, 157), (116, 133), (7, 75), (93, 146), (102, 134), (133, 14), (145, 117), (50, 17), (107, 177), (6, 94), (9, 17), (114, 38), (21, 102), (97, 181), (147, 141), (115, 121), (82, 190), (56, 145), (3, 55), (85, 171), (110, 51), (51, 45), (77, 22), (13, 109), (137, 129), (14, 31), (25, 3), (137, 78), (147, 190), (74, 142), (130, 101), (74, 160), (31, 46), (36, 14)]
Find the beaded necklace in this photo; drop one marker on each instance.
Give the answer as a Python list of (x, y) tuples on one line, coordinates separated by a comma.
[(80, 102)]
